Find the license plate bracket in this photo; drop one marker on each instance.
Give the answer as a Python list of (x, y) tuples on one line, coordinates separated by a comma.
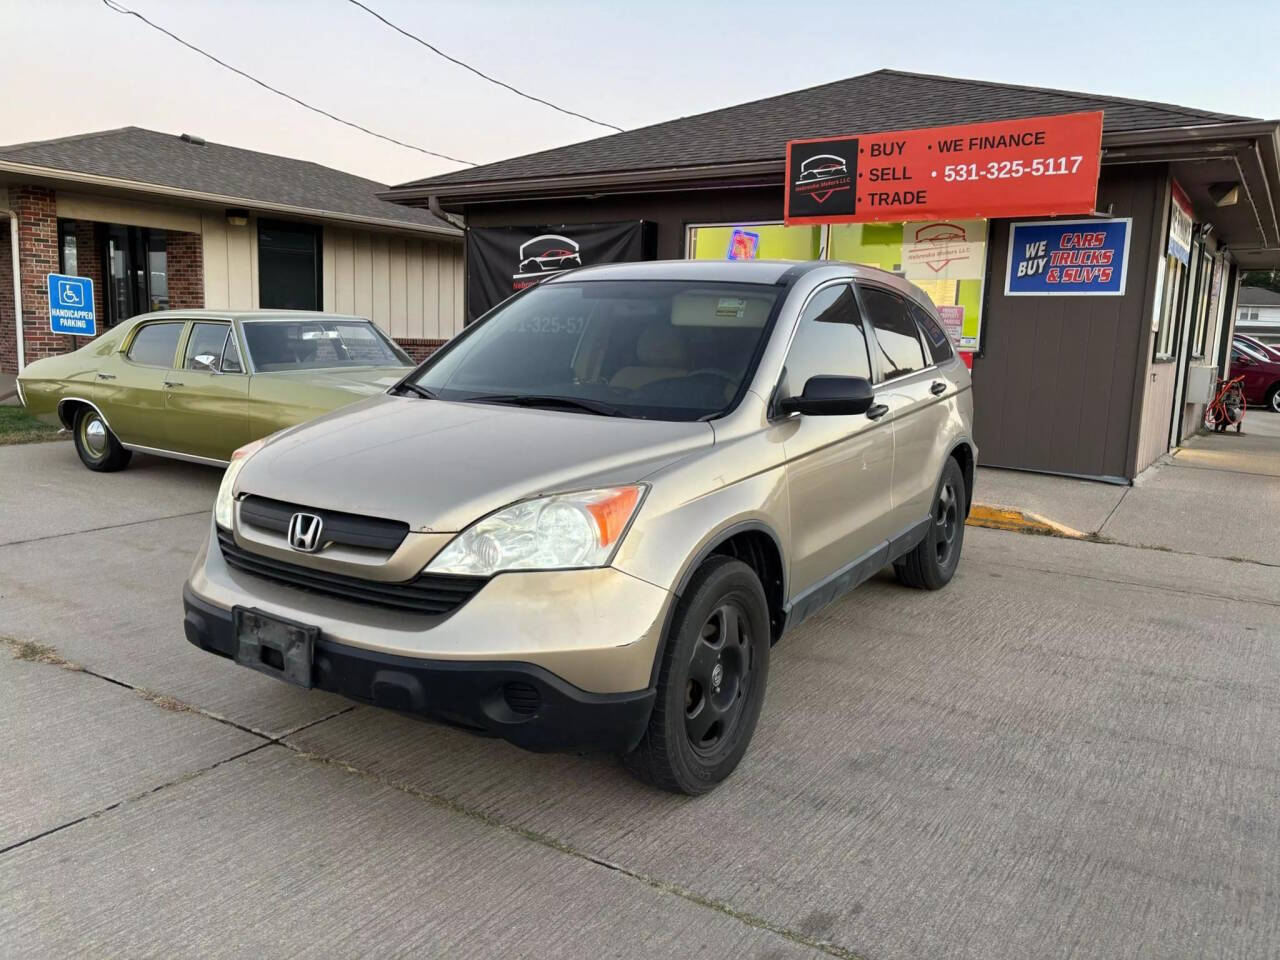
[(280, 648)]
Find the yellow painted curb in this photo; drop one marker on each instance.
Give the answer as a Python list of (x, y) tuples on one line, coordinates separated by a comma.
[(1019, 521)]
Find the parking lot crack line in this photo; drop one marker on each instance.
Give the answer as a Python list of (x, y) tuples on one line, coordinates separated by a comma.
[(109, 526), (1112, 513), (533, 836), (1177, 591), (186, 777)]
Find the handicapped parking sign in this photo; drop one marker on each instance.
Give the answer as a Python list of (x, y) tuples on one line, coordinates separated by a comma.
[(71, 305)]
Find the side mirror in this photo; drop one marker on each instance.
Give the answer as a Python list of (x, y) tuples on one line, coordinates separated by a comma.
[(205, 361), (831, 397)]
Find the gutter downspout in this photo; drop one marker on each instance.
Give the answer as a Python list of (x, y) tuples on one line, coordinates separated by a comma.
[(433, 205), (17, 283)]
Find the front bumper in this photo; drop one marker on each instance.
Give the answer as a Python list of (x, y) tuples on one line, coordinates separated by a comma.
[(519, 702), (549, 660)]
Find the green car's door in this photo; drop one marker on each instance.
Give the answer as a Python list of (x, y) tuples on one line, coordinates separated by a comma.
[(207, 397), (130, 388)]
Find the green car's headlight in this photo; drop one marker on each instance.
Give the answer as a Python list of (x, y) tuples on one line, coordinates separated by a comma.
[(566, 531), (223, 507)]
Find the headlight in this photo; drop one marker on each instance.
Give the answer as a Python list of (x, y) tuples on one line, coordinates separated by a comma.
[(564, 531), (223, 507)]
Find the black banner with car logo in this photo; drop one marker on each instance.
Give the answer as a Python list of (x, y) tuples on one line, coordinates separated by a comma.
[(505, 260)]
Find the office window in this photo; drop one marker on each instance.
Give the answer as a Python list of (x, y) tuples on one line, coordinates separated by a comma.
[(68, 255), (901, 352), (289, 266), (945, 258)]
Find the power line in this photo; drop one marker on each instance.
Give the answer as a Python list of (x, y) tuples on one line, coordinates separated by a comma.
[(479, 73), (117, 8)]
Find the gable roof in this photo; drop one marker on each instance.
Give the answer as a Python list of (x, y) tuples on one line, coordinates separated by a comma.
[(759, 131), (1258, 297), (220, 173)]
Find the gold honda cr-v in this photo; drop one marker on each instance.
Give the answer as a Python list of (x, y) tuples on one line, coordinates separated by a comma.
[(584, 522)]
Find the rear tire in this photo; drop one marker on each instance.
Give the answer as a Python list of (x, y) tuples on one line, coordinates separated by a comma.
[(711, 683), (932, 564), (1273, 399), (98, 447)]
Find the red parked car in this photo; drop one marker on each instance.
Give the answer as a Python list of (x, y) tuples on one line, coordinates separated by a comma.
[(1261, 372)]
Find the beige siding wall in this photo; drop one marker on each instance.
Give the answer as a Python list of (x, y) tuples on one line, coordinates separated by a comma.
[(230, 263), (411, 288)]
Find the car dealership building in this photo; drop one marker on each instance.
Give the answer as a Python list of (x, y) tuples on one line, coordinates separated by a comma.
[(159, 221), (1094, 369)]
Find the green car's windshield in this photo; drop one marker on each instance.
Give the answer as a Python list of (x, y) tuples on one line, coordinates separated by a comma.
[(657, 349), (276, 345)]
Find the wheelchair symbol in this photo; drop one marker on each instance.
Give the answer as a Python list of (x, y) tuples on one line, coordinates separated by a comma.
[(70, 294)]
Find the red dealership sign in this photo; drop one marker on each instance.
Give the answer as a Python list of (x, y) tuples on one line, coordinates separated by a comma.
[(1035, 166)]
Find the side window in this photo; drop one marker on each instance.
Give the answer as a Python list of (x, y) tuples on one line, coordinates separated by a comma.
[(901, 352), (231, 355), (155, 344), (829, 340), (206, 343), (935, 338)]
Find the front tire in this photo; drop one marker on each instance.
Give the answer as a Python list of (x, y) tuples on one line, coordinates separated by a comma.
[(98, 447), (711, 683), (1273, 399), (932, 564)]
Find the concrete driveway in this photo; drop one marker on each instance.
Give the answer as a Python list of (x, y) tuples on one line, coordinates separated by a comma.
[(1069, 752)]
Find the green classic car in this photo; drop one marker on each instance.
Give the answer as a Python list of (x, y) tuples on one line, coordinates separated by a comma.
[(197, 384)]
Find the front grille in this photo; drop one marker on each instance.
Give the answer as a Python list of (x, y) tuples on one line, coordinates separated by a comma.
[(433, 594), (348, 529)]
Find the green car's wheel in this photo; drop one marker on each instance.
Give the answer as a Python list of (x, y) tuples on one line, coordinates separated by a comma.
[(97, 445)]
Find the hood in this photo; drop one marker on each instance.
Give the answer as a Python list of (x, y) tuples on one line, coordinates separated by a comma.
[(358, 381), (440, 466)]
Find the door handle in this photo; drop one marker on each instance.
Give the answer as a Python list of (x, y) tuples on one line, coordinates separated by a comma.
[(172, 383), (938, 388), (877, 411), (106, 376)]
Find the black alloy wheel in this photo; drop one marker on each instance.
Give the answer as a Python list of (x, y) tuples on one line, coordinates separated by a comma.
[(711, 681), (719, 676), (932, 564), (946, 518)]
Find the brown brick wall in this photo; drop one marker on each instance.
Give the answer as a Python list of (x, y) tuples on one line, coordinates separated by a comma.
[(8, 334), (38, 256), (184, 260), (419, 349)]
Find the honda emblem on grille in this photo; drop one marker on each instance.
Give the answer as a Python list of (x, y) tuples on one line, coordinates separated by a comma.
[(304, 532)]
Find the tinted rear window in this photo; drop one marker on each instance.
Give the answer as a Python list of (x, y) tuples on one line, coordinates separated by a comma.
[(155, 344)]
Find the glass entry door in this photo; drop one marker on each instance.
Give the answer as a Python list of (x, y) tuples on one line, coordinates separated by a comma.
[(135, 270)]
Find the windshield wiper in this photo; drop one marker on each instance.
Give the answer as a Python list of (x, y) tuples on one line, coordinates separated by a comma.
[(543, 400), (420, 391)]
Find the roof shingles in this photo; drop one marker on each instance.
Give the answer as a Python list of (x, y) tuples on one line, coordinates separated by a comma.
[(149, 157), (756, 131)]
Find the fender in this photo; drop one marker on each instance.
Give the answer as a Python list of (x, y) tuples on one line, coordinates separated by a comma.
[(87, 403), (694, 562)]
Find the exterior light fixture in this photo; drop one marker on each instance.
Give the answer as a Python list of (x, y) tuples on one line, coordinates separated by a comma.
[(1224, 194), (238, 218)]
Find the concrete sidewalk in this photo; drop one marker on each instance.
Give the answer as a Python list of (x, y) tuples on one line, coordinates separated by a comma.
[(1216, 496)]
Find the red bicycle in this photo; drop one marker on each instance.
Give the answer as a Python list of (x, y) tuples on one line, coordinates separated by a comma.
[(1227, 406)]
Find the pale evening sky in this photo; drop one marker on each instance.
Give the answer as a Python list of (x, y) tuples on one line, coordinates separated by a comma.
[(71, 66)]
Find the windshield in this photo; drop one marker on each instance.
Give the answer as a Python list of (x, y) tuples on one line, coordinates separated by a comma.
[(653, 349), (276, 345)]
